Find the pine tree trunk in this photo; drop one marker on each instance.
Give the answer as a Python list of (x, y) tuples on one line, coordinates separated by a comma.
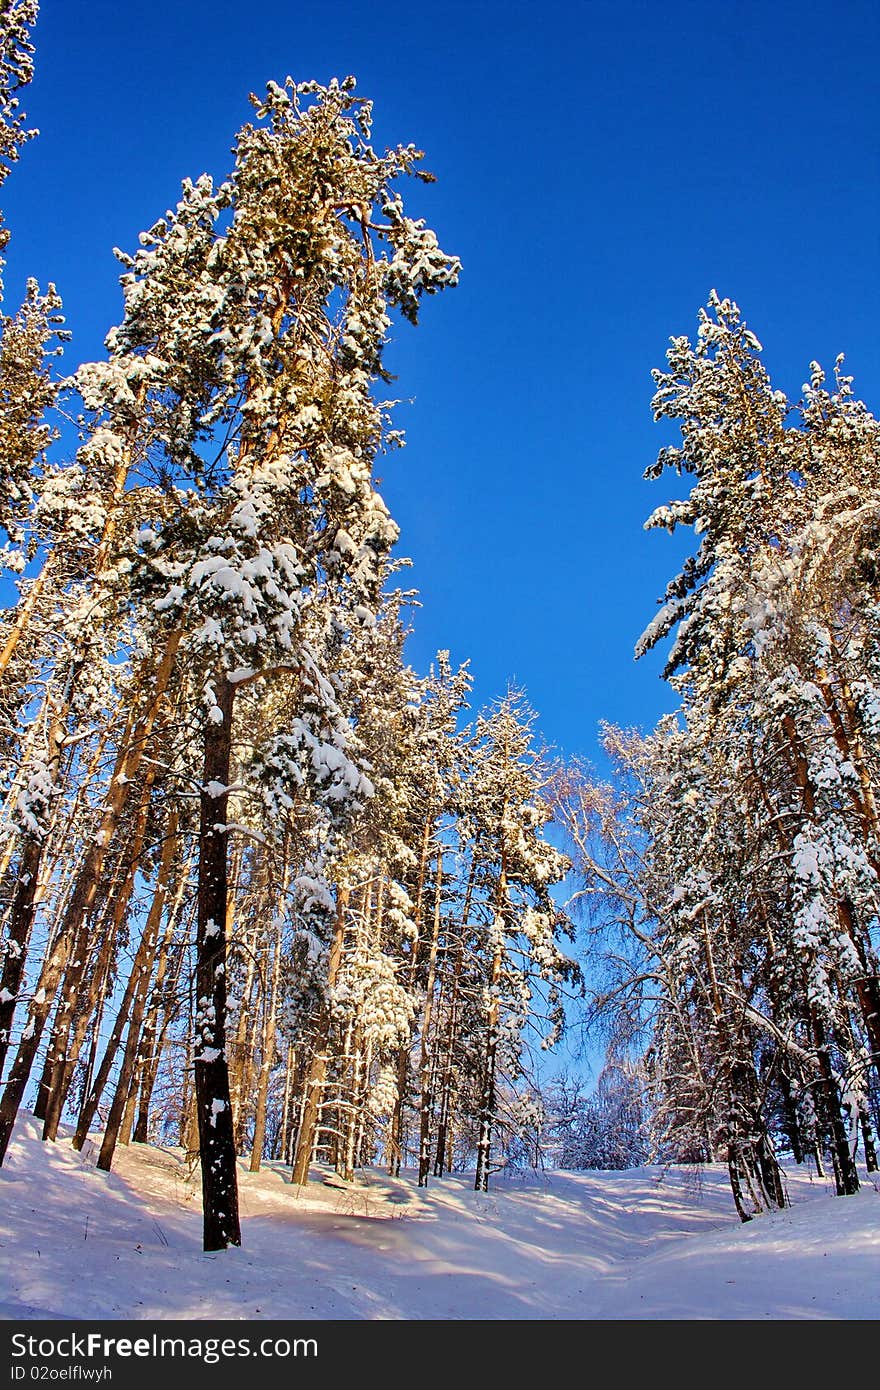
[(21, 920), (90, 1014), (867, 986), (38, 1012), (397, 1135), (128, 1113), (95, 1024), (487, 1087), (868, 1140), (25, 613), (444, 1127), (24, 902), (242, 1047), (184, 1125), (282, 1143), (734, 1169), (791, 1124), (313, 1088), (346, 1152), (221, 1224), (161, 1002), (397, 1127), (73, 928), (93, 1091), (449, 1133), (426, 1058), (165, 999), (142, 970), (846, 1177), (30, 888), (363, 1132), (124, 1088), (267, 1057), (60, 1062), (90, 1104)]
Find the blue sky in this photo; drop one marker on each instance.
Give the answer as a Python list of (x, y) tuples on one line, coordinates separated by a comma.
[(601, 166)]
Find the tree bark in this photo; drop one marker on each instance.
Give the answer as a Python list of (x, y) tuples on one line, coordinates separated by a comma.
[(142, 970), (487, 1087), (24, 902), (221, 1225), (162, 1000), (25, 613), (444, 1126), (846, 1177), (60, 1059), (397, 1127), (317, 1073), (267, 1058), (72, 930)]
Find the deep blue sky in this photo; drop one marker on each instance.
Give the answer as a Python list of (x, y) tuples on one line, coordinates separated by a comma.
[(601, 167)]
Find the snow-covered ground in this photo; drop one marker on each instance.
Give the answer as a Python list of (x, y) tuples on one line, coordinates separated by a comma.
[(647, 1244)]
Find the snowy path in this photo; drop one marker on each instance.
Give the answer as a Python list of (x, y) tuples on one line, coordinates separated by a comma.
[(81, 1244)]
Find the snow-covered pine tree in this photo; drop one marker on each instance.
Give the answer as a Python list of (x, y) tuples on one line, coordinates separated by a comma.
[(257, 315), (29, 339), (747, 875), (360, 1034), (513, 927)]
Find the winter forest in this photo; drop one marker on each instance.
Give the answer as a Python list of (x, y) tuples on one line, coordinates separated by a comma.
[(270, 895)]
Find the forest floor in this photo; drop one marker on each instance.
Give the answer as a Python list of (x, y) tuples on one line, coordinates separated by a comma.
[(651, 1243)]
